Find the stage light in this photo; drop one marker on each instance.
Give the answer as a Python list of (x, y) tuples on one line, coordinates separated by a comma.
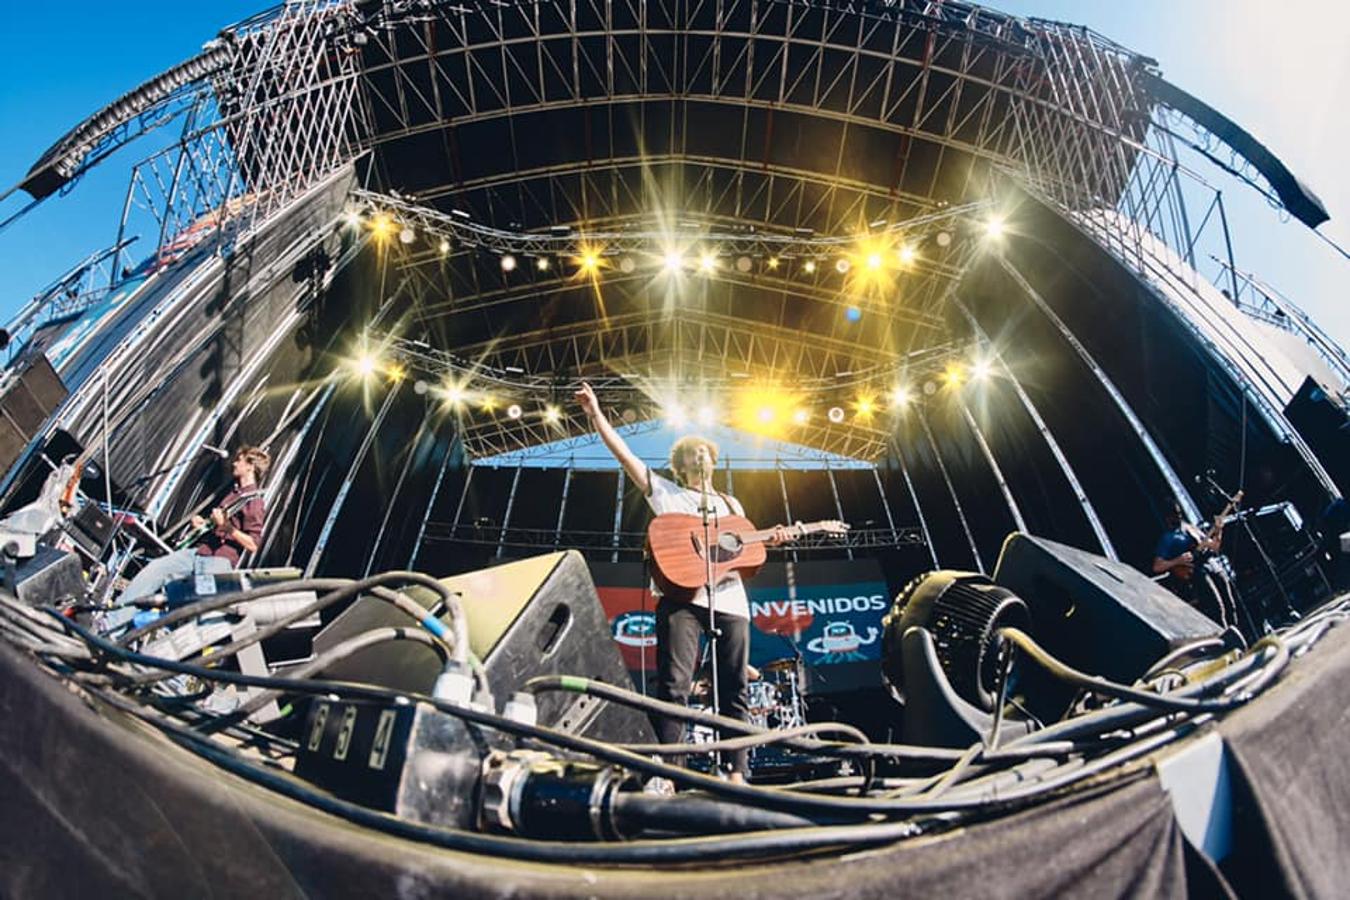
[(800, 417), (488, 403), (589, 262), (627, 265), (773, 264), (929, 388), (900, 397), (707, 262), (743, 264), (836, 414), (864, 407), (842, 265), (407, 235), (351, 218), (707, 416), (629, 415), (853, 314), (675, 416), (954, 375), (445, 247), (541, 264), (420, 387), (454, 396), (765, 415), (943, 238), (552, 414), (874, 261), (673, 261), (508, 263), (514, 411), (366, 364), (381, 226), (982, 369), (396, 372), (994, 227), (907, 255), (809, 267)]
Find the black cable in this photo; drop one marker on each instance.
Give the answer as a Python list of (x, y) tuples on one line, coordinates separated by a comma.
[(750, 740), (775, 799)]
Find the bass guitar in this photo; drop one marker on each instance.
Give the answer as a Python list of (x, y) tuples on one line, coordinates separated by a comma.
[(196, 534), (676, 544), (1200, 556)]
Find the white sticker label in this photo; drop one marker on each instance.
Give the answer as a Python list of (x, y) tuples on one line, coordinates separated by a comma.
[(316, 730), (384, 730), (345, 733)]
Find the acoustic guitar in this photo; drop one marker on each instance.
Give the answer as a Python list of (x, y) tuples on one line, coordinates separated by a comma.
[(676, 544)]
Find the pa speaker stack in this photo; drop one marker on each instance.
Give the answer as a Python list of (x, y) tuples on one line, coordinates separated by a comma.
[(537, 616)]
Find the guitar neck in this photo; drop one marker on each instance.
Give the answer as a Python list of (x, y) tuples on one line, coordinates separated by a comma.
[(794, 532)]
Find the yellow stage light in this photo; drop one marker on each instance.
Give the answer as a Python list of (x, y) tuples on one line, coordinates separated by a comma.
[(954, 375), (809, 267), (765, 415), (874, 261), (707, 262), (773, 263), (907, 255), (382, 225), (454, 396), (366, 364), (541, 264), (842, 265), (800, 416), (590, 261), (552, 414), (488, 403), (900, 397), (673, 261), (445, 247), (864, 407)]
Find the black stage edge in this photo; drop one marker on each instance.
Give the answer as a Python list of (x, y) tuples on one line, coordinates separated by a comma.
[(95, 803)]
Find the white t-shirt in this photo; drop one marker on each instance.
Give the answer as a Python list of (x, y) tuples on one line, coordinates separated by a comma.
[(668, 497)]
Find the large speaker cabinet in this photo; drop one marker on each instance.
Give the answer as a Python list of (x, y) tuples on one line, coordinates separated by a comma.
[(537, 616)]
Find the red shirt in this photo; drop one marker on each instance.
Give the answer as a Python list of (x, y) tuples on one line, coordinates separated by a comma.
[(248, 518)]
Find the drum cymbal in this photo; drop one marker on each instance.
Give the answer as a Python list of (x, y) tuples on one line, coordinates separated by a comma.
[(786, 664)]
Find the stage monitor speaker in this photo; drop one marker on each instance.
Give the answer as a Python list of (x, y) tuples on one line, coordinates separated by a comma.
[(1323, 422), (46, 578), (25, 406), (1097, 615), (537, 616)]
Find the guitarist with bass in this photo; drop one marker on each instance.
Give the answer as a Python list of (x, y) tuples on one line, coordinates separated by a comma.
[(682, 613), (1182, 552), (234, 528)]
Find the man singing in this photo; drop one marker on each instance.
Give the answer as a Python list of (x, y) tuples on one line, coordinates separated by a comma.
[(680, 621), (235, 529)]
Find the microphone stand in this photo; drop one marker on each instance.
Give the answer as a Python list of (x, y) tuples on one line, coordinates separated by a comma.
[(1266, 627), (705, 476)]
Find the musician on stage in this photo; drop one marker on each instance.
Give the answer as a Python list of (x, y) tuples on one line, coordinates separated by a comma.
[(234, 528), (680, 622), (1179, 557)]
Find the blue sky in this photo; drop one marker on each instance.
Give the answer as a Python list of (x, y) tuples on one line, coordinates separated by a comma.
[(1281, 71)]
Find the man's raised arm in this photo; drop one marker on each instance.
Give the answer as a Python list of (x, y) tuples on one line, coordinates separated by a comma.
[(637, 472)]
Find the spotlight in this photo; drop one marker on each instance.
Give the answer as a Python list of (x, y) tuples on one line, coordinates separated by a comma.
[(836, 414), (445, 247), (773, 263), (743, 264), (994, 227), (899, 397), (541, 264), (552, 414), (454, 396), (707, 262), (629, 415), (396, 372), (907, 255), (982, 369), (381, 225), (488, 403), (874, 261), (514, 411), (366, 364), (943, 238), (800, 416), (809, 267), (954, 375), (407, 235), (853, 314), (929, 388), (764, 414), (589, 262), (351, 218), (841, 265), (865, 407), (673, 261), (508, 263), (420, 387), (626, 265)]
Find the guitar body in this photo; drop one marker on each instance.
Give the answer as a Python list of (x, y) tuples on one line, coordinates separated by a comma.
[(675, 541)]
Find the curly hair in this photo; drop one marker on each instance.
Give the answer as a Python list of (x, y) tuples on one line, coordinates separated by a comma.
[(257, 457), (688, 442)]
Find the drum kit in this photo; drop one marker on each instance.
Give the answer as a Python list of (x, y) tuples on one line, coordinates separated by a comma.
[(777, 701)]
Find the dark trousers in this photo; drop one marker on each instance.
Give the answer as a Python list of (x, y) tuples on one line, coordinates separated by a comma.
[(678, 628)]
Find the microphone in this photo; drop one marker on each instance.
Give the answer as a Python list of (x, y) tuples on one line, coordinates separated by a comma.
[(704, 460), (223, 454)]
